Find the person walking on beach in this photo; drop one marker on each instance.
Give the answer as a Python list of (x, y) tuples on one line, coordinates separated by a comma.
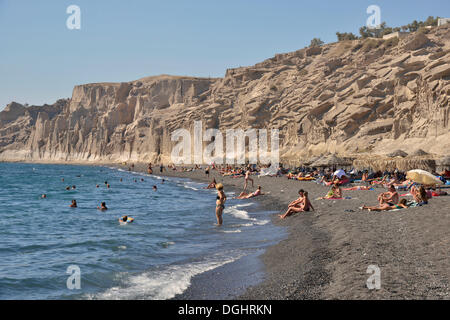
[(220, 203)]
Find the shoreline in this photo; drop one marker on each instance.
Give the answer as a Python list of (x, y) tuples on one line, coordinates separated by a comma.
[(327, 252), (279, 280)]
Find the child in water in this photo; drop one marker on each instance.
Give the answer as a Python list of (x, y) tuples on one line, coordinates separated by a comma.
[(74, 204)]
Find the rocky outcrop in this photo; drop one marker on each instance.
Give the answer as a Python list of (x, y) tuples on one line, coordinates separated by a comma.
[(354, 98)]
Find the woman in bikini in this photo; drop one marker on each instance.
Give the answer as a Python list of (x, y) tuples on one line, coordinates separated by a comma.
[(420, 195), (220, 203), (244, 195), (247, 177), (385, 207), (335, 192), (212, 185)]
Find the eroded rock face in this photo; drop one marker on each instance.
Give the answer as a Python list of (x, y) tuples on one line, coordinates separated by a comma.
[(349, 97)]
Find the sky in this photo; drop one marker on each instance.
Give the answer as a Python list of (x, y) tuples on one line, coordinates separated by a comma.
[(41, 59)]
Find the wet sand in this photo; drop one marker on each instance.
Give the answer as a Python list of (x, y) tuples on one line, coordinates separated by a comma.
[(328, 251)]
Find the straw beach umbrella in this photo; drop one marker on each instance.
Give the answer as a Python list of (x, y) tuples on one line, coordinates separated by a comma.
[(418, 153), (397, 153), (423, 177), (444, 161)]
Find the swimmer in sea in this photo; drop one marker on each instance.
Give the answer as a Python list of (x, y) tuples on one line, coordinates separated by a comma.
[(108, 186), (74, 204), (126, 219), (97, 186), (121, 179), (74, 187), (44, 196), (155, 188), (220, 203), (102, 207), (67, 188)]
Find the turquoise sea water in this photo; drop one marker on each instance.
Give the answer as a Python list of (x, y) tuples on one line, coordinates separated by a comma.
[(172, 239)]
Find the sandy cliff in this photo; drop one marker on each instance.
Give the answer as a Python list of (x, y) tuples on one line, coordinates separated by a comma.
[(356, 98)]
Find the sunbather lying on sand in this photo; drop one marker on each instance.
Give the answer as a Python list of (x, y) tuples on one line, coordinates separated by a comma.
[(245, 195), (386, 207), (358, 188)]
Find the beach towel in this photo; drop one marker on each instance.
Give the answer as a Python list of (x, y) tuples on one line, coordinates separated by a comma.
[(345, 198), (305, 179)]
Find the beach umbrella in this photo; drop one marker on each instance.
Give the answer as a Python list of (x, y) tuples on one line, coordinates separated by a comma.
[(444, 161), (423, 177), (339, 173), (418, 153)]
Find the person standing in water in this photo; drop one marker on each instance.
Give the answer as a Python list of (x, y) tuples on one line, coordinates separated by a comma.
[(220, 203), (247, 177)]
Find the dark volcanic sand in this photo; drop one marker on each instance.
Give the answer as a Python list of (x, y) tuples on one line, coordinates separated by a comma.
[(328, 250)]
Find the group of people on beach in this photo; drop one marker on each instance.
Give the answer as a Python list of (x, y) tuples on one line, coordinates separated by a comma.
[(388, 200)]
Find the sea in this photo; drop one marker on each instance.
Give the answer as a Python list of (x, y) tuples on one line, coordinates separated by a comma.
[(49, 250)]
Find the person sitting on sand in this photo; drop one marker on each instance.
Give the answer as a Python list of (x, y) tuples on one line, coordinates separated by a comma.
[(102, 207), (420, 195), (300, 205), (74, 204), (220, 203), (245, 195), (126, 219), (212, 185), (391, 197), (385, 207), (300, 199), (335, 192)]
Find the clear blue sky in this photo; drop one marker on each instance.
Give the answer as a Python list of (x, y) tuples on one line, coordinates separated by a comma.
[(123, 40)]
